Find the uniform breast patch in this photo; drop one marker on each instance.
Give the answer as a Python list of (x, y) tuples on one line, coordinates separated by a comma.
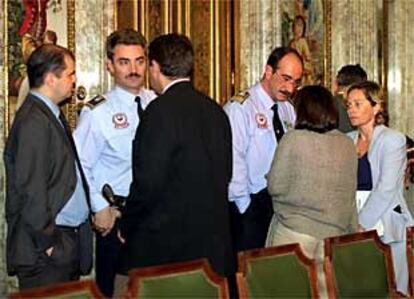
[(120, 120)]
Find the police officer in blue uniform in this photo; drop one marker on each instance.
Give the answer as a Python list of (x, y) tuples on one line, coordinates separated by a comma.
[(104, 137), (259, 117)]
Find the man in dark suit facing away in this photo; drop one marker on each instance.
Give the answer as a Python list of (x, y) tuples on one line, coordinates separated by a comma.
[(49, 238), (177, 208)]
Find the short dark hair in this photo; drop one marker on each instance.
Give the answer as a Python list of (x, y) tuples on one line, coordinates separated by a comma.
[(375, 95), (315, 109), (174, 53), (124, 37), (350, 74), (277, 55), (46, 59)]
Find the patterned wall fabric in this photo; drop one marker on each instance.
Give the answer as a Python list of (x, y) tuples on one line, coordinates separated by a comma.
[(400, 66), (355, 29), (259, 34), (3, 276)]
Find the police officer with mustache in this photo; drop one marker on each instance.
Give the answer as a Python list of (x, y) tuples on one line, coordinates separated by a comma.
[(259, 117), (104, 137)]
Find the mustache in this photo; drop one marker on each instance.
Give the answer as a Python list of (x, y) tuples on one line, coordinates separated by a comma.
[(133, 75), (286, 93)]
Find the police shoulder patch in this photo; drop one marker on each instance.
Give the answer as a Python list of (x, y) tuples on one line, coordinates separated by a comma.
[(95, 101), (240, 97)]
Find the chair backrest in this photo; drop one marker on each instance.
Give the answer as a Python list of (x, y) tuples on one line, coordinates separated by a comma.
[(194, 279), (410, 259), (83, 289), (359, 265), (275, 272)]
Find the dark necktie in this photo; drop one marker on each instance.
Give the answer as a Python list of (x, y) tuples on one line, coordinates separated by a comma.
[(139, 107), (277, 124), (68, 134)]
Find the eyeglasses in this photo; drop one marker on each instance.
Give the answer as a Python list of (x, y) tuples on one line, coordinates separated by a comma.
[(289, 80)]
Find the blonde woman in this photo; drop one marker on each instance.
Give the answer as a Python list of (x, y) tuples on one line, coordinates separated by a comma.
[(381, 164)]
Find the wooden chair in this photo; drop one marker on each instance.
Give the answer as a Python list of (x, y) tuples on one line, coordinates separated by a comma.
[(82, 289), (194, 279), (276, 272), (359, 265), (410, 259)]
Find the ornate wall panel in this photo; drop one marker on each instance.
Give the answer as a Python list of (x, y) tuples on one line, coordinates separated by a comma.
[(356, 31), (400, 66), (260, 26), (5, 281), (94, 22), (258, 31), (206, 22), (82, 26), (3, 68)]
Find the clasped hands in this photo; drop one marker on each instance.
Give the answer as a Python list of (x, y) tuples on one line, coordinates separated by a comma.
[(104, 220)]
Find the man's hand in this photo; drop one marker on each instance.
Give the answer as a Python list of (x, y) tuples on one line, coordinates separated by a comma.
[(49, 251), (104, 220)]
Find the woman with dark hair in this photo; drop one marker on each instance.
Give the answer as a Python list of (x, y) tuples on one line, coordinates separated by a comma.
[(312, 199), (381, 165)]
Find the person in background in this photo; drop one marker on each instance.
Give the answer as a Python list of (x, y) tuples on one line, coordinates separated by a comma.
[(347, 75), (104, 135), (177, 209), (311, 200), (381, 165), (49, 237), (259, 118), (409, 175)]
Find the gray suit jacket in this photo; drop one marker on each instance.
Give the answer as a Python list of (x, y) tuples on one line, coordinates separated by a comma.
[(41, 177), (387, 157)]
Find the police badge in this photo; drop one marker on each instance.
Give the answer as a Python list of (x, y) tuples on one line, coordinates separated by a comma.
[(120, 120), (261, 121)]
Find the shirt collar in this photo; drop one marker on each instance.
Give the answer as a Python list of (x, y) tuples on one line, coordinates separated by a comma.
[(125, 96), (48, 102), (175, 82), (264, 97)]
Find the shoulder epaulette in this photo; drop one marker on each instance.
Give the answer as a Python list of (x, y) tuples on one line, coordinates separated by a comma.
[(95, 101), (240, 97)]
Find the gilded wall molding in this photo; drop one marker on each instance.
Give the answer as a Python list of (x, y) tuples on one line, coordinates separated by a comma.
[(206, 23)]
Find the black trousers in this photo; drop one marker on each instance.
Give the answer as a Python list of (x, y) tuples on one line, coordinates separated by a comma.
[(249, 229), (61, 266), (106, 261)]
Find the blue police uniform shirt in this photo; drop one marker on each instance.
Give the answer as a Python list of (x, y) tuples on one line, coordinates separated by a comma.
[(75, 211), (254, 142), (104, 138)]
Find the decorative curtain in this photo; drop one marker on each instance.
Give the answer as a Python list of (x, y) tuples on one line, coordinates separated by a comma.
[(259, 34), (355, 35), (400, 66)]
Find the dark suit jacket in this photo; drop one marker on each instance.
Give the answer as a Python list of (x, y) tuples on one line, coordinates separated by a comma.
[(344, 124), (178, 208), (41, 177)]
